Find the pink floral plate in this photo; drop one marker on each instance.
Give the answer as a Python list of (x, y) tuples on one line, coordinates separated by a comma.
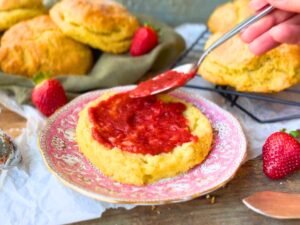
[(63, 158)]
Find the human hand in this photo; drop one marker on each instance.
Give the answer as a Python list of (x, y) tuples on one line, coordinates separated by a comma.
[(281, 26)]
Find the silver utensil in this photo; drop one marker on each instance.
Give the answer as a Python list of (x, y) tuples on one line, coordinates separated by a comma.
[(156, 81), (9, 156), (275, 204)]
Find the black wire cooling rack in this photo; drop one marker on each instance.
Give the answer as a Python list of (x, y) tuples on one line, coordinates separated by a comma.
[(282, 107)]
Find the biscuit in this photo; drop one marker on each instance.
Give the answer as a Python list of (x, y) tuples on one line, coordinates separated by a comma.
[(141, 169), (233, 64), (14, 11), (227, 15), (102, 24), (37, 45)]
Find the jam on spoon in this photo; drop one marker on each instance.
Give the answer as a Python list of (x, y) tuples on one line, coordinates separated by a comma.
[(165, 81)]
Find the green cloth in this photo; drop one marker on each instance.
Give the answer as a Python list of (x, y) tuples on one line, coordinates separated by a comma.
[(109, 70)]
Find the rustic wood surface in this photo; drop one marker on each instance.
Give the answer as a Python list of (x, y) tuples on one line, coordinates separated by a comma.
[(228, 208), (10, 122)]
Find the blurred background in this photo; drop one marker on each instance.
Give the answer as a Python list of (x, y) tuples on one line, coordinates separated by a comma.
[(173, 12)]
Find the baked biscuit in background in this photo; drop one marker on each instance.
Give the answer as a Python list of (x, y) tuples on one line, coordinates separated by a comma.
[(234, 65), (227, 15), (102, 24), (38, 45), (14, 11)]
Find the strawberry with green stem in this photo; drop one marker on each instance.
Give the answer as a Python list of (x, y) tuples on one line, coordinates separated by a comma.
[(281, 154), (48, 95)]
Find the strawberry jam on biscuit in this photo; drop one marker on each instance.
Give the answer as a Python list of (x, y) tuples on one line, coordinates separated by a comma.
[(140, 125)]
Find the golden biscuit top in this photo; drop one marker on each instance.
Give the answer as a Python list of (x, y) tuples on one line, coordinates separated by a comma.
[(17, 4), (99, 16), (236, 54), (38, 45), (227, 15), (29, 30), (239, 51), (233, 64)]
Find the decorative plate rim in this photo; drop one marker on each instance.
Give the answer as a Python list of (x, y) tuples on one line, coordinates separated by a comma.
[(100, 197)]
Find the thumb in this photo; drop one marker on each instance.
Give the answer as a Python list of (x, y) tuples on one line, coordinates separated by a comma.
[(287, 5)]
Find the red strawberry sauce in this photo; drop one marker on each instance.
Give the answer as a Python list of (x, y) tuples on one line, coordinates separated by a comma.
[(170, 79), (140, 125)]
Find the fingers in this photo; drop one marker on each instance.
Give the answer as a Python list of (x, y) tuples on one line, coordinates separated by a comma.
[(263, 25), (282, 26), (263, 44), (287, 5), (287, 32)]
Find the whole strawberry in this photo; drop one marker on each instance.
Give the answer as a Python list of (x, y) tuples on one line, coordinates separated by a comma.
[(48, 95), (144, 40), (281, 155)]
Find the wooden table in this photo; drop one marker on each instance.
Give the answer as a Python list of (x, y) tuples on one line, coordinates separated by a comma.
[(227, 209), (10, 122)]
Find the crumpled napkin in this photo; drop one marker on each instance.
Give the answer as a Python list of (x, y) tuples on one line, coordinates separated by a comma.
[(31, 195)]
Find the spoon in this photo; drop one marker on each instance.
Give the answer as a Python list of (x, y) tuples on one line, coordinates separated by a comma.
[(172, 79), (275, 204), (9, 155)]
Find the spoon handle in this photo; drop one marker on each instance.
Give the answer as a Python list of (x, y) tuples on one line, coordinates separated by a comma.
[(235, 31)]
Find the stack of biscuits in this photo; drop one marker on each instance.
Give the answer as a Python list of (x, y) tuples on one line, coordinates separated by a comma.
[(61, 42), (234, 65), (14, 11)]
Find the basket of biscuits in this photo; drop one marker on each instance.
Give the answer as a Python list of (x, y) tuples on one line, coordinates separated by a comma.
[(85, 44)]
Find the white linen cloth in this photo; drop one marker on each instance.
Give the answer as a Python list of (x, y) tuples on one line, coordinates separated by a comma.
[(31, 195)]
